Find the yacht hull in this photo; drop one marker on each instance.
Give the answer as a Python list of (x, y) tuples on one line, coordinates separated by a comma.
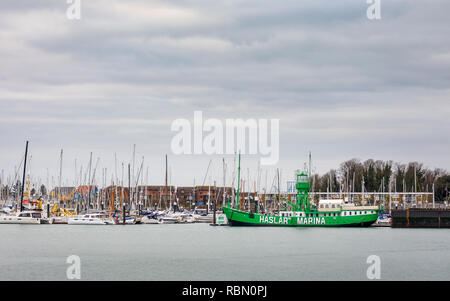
[(80, 222), (15, 220)]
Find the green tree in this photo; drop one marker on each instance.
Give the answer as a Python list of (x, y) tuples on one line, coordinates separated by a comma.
[(369, 175), (43, 190), (442, 188), (412, 180), (351, 173)]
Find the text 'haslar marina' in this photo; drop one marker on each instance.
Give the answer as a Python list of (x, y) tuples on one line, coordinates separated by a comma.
[(285, 220)]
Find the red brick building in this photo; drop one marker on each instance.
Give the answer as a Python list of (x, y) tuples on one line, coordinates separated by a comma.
[(156, 196)]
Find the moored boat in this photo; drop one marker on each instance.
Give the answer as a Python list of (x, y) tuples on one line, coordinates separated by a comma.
[(129, 220), (303, 213), (149, 219), (7, 210), (24, 217), (188, 218), (384, 220), (90, 219), (201, 216), (167, 220)]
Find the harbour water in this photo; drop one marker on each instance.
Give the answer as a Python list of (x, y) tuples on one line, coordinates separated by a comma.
[(202, 252)]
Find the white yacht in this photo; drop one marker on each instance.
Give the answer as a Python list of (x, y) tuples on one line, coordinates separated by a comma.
[(167, 219), (149, 220), (188, 218), (24, 217), (183, 216), (204, 218), (91, 219)]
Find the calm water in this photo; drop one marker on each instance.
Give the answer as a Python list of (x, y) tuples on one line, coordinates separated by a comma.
[(202, 252)]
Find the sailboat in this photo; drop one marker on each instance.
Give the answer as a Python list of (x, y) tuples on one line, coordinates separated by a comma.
[(302, 212), (124, 218), (29, 216)]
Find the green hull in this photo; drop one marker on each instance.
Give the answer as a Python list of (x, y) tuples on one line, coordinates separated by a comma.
[(314, 219)]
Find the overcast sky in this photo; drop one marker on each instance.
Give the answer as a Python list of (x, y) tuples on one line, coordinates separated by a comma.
[(343, 86)]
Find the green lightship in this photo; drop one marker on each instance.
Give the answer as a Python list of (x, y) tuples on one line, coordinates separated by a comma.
[(328, 213)]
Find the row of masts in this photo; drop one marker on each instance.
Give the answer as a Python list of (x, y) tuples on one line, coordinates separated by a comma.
[(86, 203), (167, 200)]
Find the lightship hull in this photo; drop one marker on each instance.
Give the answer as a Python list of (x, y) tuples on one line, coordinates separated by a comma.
[(315, 219)]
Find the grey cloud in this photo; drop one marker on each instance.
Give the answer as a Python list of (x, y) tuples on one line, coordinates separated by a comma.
[(342, 86)]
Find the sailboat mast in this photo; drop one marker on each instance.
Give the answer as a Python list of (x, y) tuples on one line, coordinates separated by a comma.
[(121, 190), (309, 172), (1, 187), (134, 159), (233, 200), (224, 189), (194, 198), (116, 180), (249, 187), (165, 188), (209, 195), (89, 183), (265, 191), (239, 181), (129, 194), (60, 175), (278, 175), (170, 190), (23, 178)]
